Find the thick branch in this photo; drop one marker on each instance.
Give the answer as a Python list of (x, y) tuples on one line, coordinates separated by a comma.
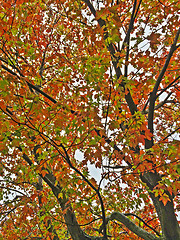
[(115, 60), (153, 95), (166, 213), (132, 214), (132, 226), (162, 103), (91, 185)]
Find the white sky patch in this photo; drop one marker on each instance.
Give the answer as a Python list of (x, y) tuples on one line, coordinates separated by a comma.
[(94, 172)]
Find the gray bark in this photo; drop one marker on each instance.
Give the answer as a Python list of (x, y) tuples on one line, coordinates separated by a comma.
[(132, 226)]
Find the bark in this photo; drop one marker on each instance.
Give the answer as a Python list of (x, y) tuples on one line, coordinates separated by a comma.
[(166, 214), (168, 220), (132, 226)]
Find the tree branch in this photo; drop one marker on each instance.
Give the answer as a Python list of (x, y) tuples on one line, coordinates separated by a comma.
[(31, 86), (153, 96), (92, 186), (161, 103), (132, 214), (170, 134), (168, 86), (115, 60), (127, 38), (132, 226), (161, 92)]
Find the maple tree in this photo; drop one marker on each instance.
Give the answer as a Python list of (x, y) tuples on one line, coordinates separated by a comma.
[(98, 79)]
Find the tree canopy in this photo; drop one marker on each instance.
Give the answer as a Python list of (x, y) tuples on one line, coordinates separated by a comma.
[(89, 83)]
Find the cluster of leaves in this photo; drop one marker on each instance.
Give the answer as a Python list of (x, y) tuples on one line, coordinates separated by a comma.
[(98, 78)]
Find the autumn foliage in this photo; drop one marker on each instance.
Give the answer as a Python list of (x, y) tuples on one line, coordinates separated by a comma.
[(89, 85)]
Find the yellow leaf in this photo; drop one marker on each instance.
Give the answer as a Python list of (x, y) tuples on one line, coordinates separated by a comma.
[(60, 195)]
